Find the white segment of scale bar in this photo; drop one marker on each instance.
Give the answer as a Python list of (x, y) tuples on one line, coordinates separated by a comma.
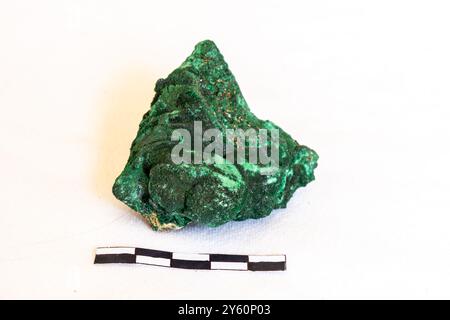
[(190, 256), (117, 250), (272, 258), (153, 261), (215, 265)]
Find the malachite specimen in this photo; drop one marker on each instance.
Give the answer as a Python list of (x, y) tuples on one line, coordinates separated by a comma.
[(170, 195)]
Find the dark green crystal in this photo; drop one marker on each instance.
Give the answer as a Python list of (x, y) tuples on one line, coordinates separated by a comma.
[(169, 195)]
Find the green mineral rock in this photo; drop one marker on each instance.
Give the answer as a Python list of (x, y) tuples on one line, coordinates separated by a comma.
[(224, 186)]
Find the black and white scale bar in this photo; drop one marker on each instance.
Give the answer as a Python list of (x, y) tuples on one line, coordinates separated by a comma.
[(197, 261)]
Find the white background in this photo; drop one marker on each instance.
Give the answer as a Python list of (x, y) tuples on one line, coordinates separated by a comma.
[(366, 84)]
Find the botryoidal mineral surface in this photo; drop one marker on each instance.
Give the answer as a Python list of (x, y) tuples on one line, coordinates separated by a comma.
[(172, 195)]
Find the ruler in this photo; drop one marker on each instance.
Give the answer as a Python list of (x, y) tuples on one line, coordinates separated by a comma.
[(196, 261)]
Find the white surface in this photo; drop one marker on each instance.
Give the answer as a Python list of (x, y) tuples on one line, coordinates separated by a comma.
[(364, 83)]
